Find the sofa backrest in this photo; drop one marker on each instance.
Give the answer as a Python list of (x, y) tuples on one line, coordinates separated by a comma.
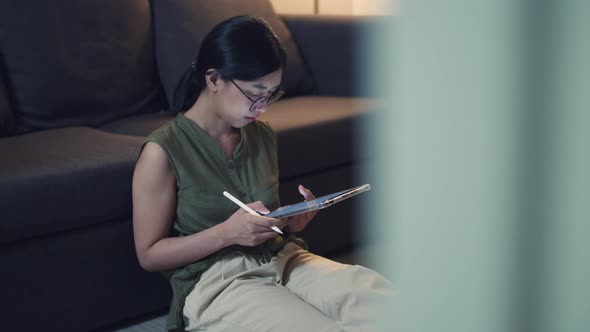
[(181, 25), (6, 115), (82, 62)]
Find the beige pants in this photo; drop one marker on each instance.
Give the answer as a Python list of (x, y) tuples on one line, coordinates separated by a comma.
[(293, 291)]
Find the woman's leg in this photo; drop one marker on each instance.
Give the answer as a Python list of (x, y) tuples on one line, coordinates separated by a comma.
[(354, 296), (239, 293)]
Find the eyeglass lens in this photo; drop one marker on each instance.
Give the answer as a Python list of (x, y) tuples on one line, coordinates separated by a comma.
[(274, 96)]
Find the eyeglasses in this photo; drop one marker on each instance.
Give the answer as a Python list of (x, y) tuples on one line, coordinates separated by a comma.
[(274, 96)]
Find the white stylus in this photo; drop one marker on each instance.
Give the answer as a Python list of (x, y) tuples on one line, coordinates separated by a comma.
[(248, 209)]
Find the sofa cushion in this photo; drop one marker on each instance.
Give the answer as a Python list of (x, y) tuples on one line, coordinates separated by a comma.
[(139, 125), (78, 62), (6, 115), (336, 69), (180, 26), (318, 133), (62, 179)]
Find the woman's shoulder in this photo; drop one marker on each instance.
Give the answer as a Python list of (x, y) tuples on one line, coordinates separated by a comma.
[(154, 153), (153, 162), (164, 132)]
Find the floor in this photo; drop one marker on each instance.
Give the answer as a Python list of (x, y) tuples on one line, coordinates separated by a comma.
[(158, 323)]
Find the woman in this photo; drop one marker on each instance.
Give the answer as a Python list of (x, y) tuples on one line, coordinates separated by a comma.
[(228, 269)]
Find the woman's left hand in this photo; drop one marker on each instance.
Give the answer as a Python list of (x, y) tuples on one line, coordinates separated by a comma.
[(297, 223)]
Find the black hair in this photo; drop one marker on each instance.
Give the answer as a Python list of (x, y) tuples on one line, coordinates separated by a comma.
[(242, 47)]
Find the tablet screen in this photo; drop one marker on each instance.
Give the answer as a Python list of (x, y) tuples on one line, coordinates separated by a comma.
[(318, 203)]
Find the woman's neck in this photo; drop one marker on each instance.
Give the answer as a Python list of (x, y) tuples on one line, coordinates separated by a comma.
[(204, 115)]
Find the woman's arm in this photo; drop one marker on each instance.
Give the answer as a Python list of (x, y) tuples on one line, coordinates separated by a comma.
[(154, 207)]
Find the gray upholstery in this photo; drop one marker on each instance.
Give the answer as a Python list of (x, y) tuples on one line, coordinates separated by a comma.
[(317, 133), (78, 62), (82, 280), (334, 69), (139, 125), (75, 178)]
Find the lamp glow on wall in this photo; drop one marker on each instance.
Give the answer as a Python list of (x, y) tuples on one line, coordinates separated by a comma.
[(334, 7)]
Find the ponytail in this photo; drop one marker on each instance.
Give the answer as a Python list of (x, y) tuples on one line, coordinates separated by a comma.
[(187, 90)]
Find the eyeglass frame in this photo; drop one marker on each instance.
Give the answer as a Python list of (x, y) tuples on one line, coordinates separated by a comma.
[(259, 101)]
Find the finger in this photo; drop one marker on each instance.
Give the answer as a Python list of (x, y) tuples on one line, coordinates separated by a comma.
[(268, 235), (261, 230), (306, 193), (284, 222), (259, 207), (265, 221)]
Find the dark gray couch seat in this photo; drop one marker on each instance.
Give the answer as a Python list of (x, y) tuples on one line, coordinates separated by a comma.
[(64, 179), (317, 133)]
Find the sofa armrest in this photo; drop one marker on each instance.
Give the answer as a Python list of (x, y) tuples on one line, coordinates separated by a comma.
[(331, 46)]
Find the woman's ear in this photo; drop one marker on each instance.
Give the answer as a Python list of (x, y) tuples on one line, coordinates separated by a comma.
[(212, 79)]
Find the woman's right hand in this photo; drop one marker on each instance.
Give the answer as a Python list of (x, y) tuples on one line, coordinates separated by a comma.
[(246, 229)]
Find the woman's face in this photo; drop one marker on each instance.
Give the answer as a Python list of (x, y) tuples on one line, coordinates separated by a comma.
[(237, 106)]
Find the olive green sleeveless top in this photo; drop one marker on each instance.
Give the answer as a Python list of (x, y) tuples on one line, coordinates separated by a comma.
[(203, 172)]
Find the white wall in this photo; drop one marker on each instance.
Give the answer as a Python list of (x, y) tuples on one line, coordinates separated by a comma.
[(293, 7), (334, 7)]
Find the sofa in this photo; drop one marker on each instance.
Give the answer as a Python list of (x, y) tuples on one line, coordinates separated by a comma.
[(82, 83)]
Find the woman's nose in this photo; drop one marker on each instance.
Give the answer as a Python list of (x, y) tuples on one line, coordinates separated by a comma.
[(261, 108)]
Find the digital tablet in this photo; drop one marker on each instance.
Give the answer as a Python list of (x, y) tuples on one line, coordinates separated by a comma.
[(318, 203)]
